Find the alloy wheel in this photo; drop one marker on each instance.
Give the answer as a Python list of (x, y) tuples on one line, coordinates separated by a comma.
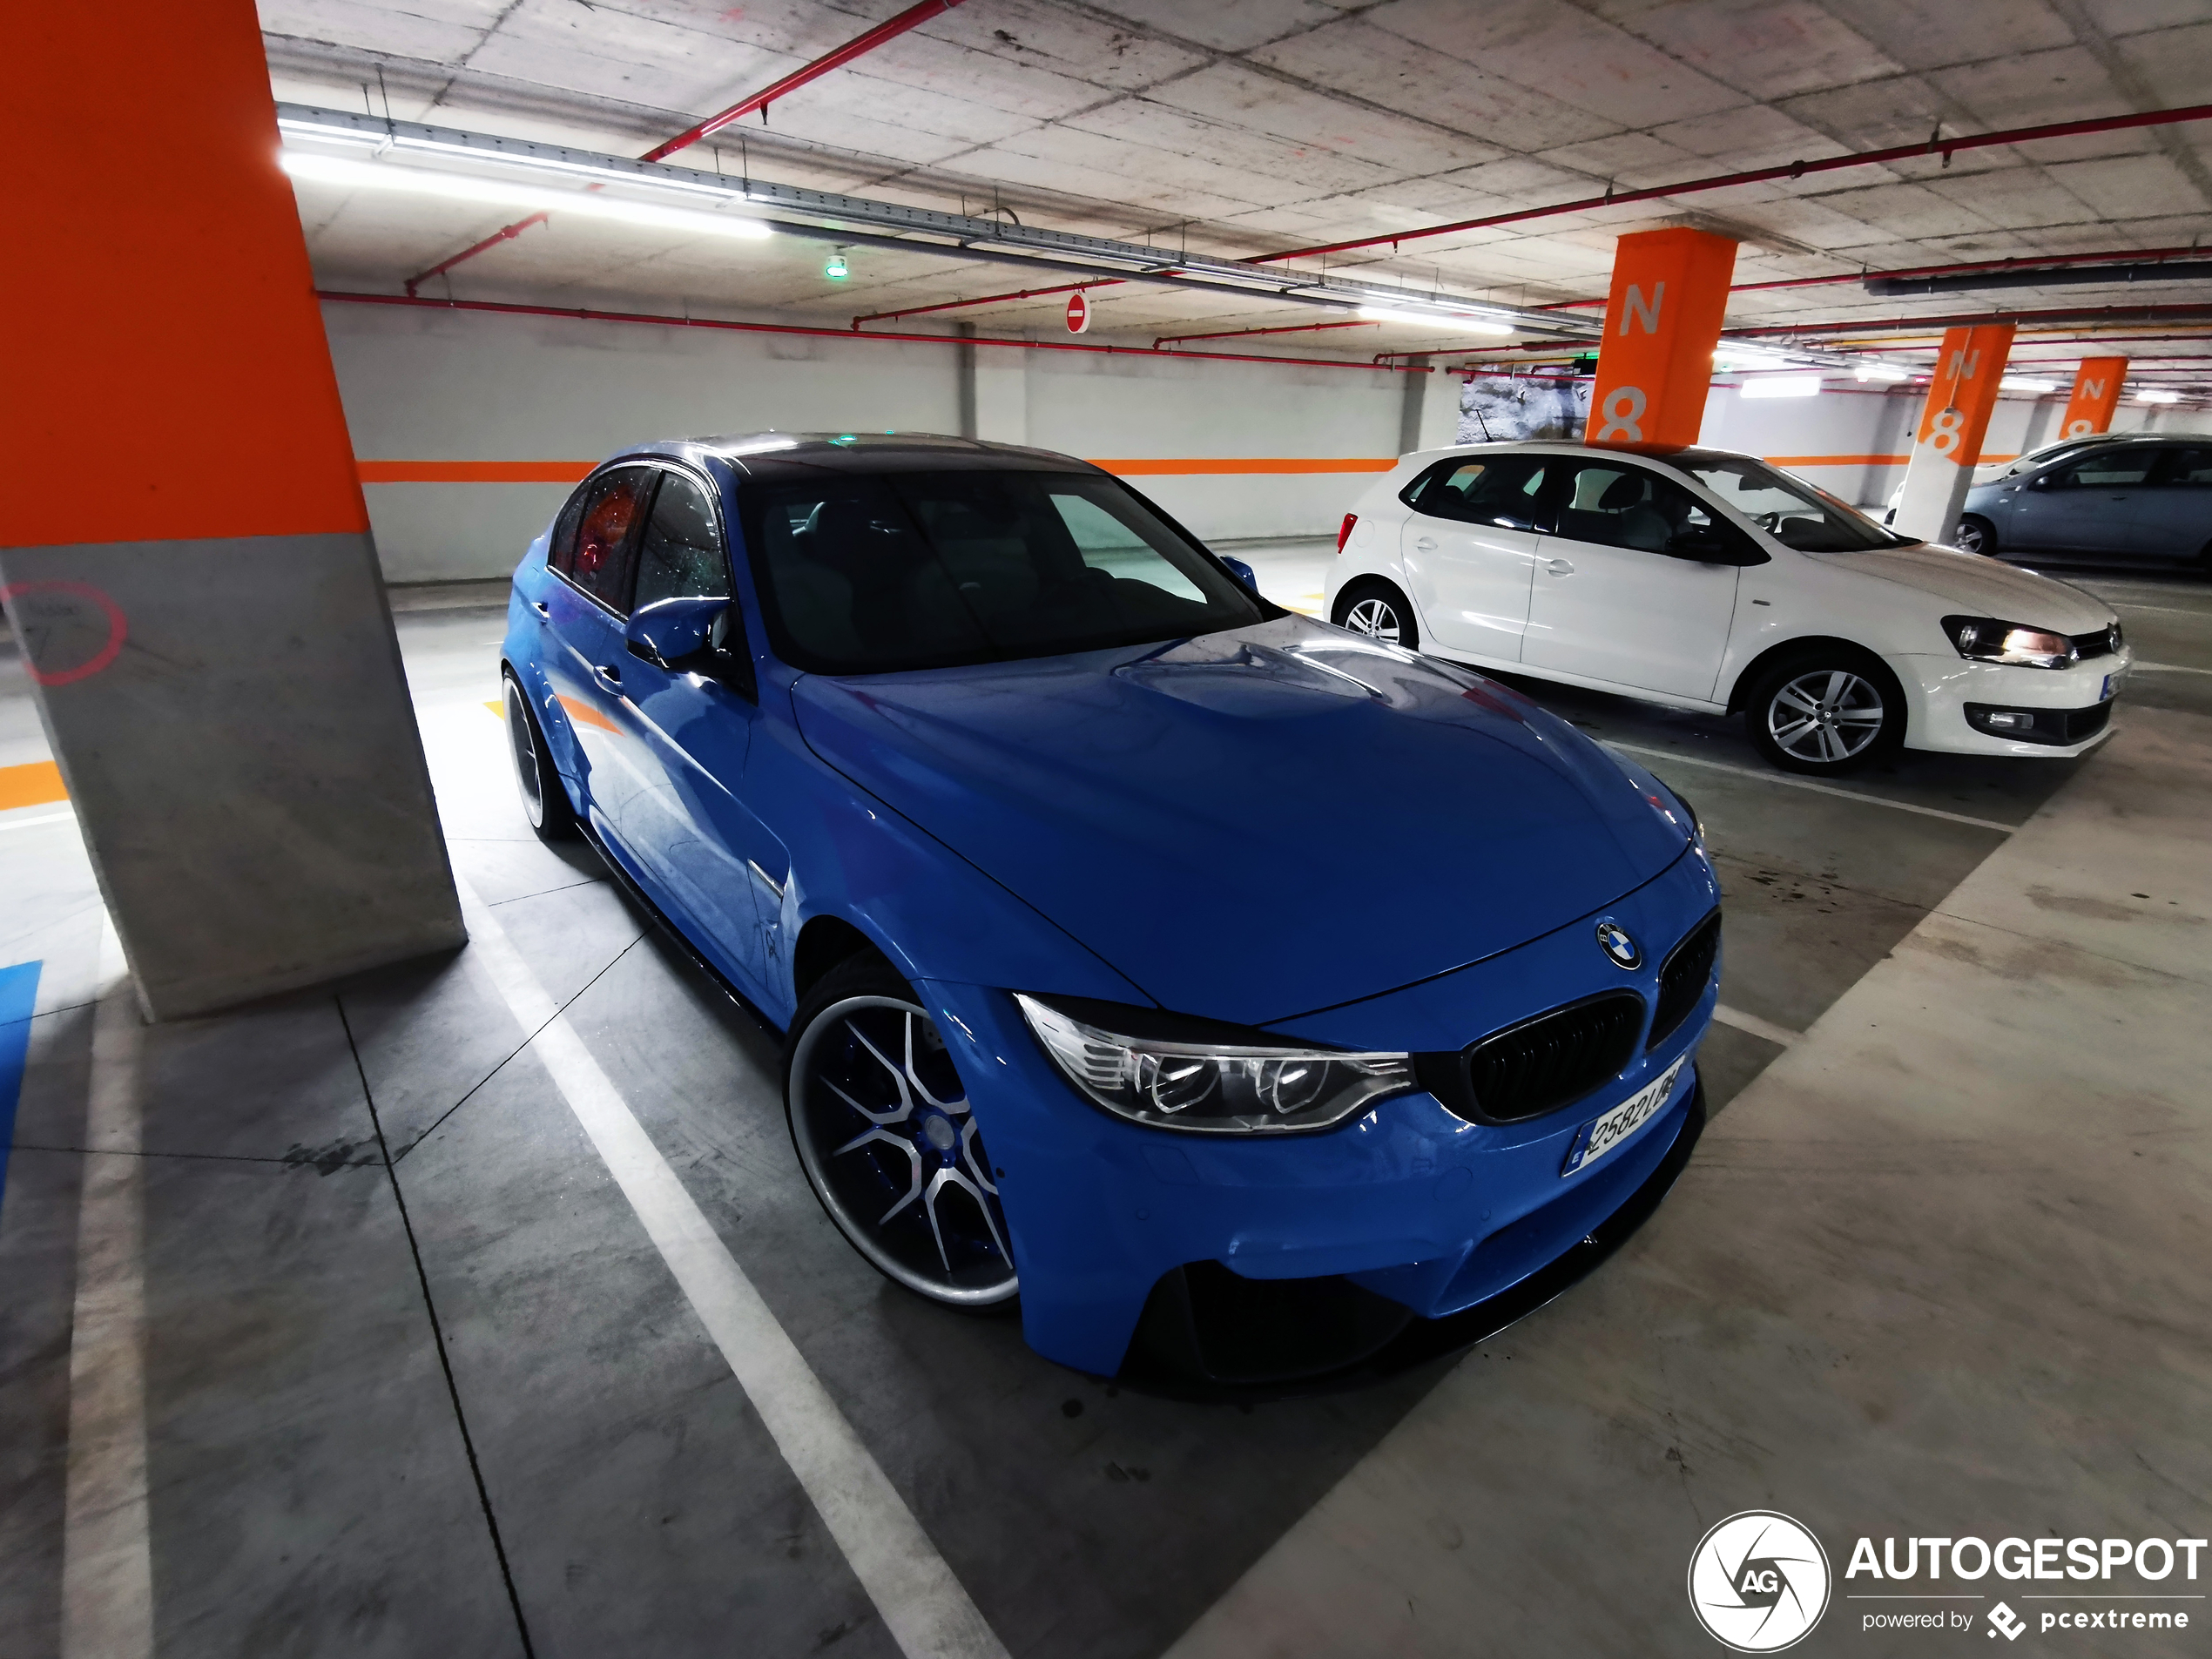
[(1968, 537), (883, 1127), (529, 775), (1377, 618), (1824, 716)]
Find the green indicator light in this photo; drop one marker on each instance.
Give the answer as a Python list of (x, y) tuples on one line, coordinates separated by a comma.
[(835, 268)]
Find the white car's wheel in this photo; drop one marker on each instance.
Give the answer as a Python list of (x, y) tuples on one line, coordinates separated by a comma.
[(1379, 610), (1825, 712)]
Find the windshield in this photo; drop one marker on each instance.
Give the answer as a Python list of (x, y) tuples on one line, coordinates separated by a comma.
[(1791, 510), (927, 569)]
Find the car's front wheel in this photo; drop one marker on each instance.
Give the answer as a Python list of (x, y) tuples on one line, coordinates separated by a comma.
[(1975, 535), (1825, 711), (1379, 610), (881, 1121), (545, 798)]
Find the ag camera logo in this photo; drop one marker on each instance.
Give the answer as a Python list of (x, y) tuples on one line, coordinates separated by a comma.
[(1758, 1581)]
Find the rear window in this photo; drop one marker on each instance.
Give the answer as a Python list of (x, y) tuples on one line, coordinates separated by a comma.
[(863, 576)]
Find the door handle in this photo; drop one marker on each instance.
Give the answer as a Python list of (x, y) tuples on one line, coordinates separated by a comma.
[(1560, 567), (1425, 545), (540, 607), (612, 676)]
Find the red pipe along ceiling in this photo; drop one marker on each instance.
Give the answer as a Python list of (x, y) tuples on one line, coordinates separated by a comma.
[(860, 45), (582, 314), (1934, 145)]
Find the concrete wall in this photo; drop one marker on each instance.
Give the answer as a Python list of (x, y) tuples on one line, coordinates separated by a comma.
[(459, 386)]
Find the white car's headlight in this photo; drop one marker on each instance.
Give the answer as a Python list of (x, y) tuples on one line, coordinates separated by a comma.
[(1169, 1072), (1985, 639)]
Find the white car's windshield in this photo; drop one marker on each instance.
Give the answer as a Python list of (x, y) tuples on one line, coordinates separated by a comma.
[(1792, 512)]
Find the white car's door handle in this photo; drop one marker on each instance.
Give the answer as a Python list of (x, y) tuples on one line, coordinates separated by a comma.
[(1560, 567), (1425, 545)]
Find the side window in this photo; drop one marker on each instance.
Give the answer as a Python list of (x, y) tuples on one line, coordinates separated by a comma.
[(607, 516), (1501, 490), (2122, 468), (2186, 467), (1610, 504), (680, 557), (562, 554)]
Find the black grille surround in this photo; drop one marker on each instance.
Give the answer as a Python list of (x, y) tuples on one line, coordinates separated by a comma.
[(1683, 977), (1539, 1065), (2055, 727), (2102, 643)]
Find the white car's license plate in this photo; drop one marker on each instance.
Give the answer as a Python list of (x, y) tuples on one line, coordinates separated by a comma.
[(1600, 1136), (2113, 683)]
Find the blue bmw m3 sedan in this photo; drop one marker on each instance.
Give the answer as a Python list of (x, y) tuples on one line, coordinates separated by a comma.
[(1227, 991)]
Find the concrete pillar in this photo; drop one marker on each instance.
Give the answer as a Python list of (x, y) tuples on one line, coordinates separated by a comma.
[(964, 370), (1412, 393), (1663, 319), (2096, 394), (187, 558), (1952, 422)]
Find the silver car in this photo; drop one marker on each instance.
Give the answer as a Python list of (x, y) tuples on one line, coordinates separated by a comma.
[(2132, 497)]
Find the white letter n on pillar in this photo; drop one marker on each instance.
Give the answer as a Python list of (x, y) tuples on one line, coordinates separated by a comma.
[(1633, 305)]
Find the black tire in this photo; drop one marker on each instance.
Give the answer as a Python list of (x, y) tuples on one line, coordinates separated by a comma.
[(1809, 712), (1375, 607), (545, 797), (1975, 535), (880, 1120)]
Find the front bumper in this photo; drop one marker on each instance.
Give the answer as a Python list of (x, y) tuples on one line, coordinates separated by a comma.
[(1408, 1202), (1938, 689)]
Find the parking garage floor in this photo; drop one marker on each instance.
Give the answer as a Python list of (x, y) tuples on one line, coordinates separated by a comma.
[(413, 1376)]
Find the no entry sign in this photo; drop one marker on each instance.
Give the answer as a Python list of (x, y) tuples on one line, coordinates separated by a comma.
[(1078, 314)]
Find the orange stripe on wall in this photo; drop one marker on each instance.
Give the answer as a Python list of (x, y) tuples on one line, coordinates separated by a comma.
[(31, 786), (473, 472)]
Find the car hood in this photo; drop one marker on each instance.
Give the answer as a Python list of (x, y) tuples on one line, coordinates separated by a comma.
[(1260, 823), (1978, 586)]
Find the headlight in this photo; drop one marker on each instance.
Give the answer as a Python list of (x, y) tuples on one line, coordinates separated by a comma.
[(1193, 1074), (1985, 639)]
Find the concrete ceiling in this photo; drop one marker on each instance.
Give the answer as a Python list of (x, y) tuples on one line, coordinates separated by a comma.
[(1242, 127)]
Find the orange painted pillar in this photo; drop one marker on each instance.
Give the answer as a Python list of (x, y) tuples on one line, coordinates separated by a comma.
[(1662, 319), (2096, 394), (185, 558), (1960, 396)]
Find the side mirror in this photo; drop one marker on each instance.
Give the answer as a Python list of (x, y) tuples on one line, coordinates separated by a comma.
[(1704, 543), (693, 636), (1242, 571)]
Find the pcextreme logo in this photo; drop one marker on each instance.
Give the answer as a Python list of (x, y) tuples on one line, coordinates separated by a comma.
[(1758, 1581)]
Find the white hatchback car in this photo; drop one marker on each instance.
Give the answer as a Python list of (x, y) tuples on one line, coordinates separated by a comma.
[(1711, 581)]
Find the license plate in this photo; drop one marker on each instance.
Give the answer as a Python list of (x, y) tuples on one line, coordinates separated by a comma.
[(2112, 686), (1598, 1139)]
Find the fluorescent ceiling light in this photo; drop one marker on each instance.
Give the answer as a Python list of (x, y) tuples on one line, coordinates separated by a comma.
[(1879, 372), (503, 192), (484, 155), (1452, 321), (2149, 395), (2026, 383), (1782, 385)]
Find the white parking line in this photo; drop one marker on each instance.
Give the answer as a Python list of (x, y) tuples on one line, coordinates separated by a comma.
[(2170, 610), (1756, 1026), (2170, 668), (28, 823), (107, 1570), (922, 1604), (1790, 782)]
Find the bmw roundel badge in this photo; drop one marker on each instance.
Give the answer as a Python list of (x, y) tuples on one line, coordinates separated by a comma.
[(1614, 940)]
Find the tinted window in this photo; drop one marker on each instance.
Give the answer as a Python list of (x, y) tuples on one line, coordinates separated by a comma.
[(2186, 467), (2109, 469), (1613, 504), (1792, 512), (923, 569), (606, 514), (680, 557), (1483, 489)]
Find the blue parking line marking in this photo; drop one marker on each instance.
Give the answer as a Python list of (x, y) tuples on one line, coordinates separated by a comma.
[(18, 995)]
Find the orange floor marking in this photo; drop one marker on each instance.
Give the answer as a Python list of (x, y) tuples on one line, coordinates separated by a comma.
[(30, 785)]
